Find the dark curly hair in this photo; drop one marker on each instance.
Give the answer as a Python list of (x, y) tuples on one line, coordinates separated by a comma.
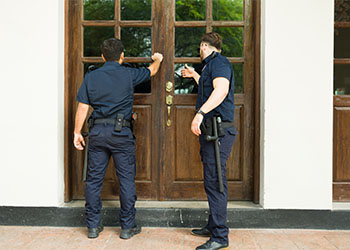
[(213, 39)]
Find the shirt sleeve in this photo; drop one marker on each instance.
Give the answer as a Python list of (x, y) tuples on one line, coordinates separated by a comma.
[(221, 69), (82, 95), (140, 75)]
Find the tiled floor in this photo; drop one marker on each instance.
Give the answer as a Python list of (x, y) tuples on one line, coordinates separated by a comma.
[(13, 237)]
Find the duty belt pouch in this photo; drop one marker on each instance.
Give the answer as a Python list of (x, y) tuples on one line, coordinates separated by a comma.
[(119, 123), (221, 131), (90, 123), (203, 128), (209, 127)]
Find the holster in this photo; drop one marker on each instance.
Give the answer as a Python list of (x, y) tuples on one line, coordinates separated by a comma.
[(208, 127), (91, 122), (119, 123)]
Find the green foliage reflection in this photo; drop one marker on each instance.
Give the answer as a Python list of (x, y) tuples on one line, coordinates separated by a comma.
[(190, 10), (187, 41), (99, 9), (232, 41), (136, 9), (137, 41), (93, 38), (227, 10), (238, 74)]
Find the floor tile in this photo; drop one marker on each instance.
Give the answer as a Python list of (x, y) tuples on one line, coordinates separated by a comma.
[(51, 238)]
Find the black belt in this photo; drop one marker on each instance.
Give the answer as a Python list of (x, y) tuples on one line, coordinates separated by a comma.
[(223, 124), (111, 121)]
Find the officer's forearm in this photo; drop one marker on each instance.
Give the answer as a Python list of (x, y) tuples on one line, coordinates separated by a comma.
[(80, 117), (217, 96), (154, 67), (196, 77)]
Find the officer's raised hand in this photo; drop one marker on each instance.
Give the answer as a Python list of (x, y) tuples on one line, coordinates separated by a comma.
[(157, 59), (157, 56), (189, 72)]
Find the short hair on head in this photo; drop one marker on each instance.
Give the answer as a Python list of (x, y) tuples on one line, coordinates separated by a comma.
[(213, 39), (111, 49)]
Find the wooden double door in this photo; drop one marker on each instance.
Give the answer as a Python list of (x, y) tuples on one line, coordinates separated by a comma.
[(167, 153)]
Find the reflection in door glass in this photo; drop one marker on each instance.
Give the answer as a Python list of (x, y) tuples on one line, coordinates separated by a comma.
[(342, 10), (341, 79), (144, 87), (136, 9), (189, 85), (99, 9), (190, 10), (186, 85), (228, 10), (238, 73), (94, 37), (137, 41), (91, 66), (232, 40), (187, 41), (342, 42)]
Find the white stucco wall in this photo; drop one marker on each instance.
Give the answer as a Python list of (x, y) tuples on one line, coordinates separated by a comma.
[(31, 100), (296, 104)]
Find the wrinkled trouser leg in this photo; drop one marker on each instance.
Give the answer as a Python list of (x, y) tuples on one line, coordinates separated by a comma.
[(217, 201), (125, 165), (98, 162)]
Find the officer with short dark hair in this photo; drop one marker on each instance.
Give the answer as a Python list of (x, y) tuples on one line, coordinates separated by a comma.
[(215, 100), (110, 91)]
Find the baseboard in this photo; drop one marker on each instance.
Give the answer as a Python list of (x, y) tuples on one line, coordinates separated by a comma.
[(179, 217)]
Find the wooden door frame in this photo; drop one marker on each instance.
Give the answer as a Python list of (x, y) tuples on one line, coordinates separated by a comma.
[(341, 188), (257, 82), (69, 116)]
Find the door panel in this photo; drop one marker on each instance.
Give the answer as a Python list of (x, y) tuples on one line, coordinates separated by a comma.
[(341, 161), (341, 101), (167, 155), (182, 165), (188, 162)]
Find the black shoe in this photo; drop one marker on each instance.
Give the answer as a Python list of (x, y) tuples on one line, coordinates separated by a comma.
[(212, 245), (93, 232), (128, 233), (203, 232)]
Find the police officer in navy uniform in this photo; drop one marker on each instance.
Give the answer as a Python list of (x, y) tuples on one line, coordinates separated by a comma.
[(215, 98), (109, 90)]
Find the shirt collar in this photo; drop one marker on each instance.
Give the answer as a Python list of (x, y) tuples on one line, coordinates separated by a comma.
[(112, 64), (211, 56)]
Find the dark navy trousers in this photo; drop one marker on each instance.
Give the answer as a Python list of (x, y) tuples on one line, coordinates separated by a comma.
[(217, 201), (104, 142)]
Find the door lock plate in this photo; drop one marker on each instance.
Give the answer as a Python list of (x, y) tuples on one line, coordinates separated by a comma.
[(169, 100), (169, 86)]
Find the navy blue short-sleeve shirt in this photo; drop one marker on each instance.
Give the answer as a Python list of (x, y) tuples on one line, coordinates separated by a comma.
[(215, 66), (110, 89)]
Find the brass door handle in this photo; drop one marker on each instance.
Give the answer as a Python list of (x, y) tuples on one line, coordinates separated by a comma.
[(169, 102), (168, 122)]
